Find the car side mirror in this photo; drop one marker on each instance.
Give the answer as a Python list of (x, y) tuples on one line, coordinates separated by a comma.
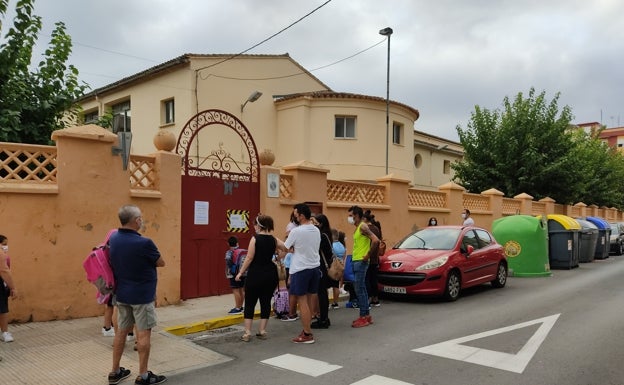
[(469, 249)]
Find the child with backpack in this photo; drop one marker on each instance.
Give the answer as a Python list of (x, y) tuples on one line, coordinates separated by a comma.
[(234, 258)]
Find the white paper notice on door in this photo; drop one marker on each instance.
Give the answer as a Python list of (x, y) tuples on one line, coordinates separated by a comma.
[(201, 213)]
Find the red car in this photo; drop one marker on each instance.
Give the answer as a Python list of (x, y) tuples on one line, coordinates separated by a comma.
[(442, 260)]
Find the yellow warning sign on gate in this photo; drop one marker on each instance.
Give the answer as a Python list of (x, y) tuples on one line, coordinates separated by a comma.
[(238, 221)]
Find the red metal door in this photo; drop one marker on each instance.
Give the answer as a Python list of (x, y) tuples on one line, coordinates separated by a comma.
[(220, 196)]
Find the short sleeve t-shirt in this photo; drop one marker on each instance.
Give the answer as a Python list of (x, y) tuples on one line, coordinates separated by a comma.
[(306, 239), (339, 250), (133, 259)]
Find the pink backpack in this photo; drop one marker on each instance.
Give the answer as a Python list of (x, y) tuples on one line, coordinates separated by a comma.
[(99, 271)]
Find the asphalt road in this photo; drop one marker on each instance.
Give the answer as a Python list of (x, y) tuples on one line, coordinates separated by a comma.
[(564, 329)]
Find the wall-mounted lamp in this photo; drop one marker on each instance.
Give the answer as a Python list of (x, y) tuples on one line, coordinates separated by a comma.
[(252, 98)]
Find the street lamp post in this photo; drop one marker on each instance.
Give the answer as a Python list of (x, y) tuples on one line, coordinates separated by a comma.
[(387, 32)]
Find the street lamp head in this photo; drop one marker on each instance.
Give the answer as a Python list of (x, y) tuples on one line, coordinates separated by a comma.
[(386, 31), (252, 98)]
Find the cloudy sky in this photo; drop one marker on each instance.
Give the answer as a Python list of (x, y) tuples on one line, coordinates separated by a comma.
[(446, 55)]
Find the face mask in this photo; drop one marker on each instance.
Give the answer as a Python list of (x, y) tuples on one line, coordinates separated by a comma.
[(351, 220), (5, 247), (434, 223), (463, 216)]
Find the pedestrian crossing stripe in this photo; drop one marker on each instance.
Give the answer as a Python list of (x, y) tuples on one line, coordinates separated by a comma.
[(303, 365)]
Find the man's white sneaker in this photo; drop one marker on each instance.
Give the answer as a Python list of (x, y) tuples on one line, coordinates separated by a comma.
[(130, 337), (7, 337), (108, 333)]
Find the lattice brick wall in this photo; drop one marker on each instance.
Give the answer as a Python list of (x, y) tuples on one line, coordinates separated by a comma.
[(538, 208), (27, 163), (420, 198), (142, 173), (355, 192), (286, 186), (510, 206), (476, 202)]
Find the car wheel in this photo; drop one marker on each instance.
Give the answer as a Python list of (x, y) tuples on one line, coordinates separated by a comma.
[(453, 286), (620, 249), (501, 276)]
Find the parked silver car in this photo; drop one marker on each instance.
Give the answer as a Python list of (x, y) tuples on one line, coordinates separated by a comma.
[(616, 240)]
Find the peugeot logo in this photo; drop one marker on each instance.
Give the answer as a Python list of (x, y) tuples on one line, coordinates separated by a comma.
[(396, 265)]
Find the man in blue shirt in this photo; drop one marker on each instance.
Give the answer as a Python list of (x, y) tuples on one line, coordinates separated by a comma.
[(134, 260)]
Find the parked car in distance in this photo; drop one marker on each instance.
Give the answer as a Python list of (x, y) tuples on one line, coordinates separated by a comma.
[(616, 239), (441, 261)]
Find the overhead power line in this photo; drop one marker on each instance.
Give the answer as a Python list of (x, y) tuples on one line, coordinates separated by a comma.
[(267, 39)]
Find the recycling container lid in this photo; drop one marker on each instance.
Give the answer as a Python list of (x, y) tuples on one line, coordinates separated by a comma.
[(586, 225), (565, 221), (599, 222)]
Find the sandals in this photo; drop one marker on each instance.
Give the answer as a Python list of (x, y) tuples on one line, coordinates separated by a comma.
[(262, 335), (246, 337)]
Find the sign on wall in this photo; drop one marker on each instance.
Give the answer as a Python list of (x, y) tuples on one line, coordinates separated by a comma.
[(238, 221), (201, 213), (273, 185)]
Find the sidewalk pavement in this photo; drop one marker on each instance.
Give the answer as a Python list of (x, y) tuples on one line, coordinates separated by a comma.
[(75, 352)]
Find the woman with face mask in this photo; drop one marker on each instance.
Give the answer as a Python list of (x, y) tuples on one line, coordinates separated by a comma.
[(432, 221)]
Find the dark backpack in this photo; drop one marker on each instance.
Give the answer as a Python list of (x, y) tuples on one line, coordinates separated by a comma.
[(238, 258)]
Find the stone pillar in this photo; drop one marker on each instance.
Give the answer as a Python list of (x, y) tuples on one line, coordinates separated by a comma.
[(310, 181), (496, 204), (394, 213), (454, 200), (549, 203), (582, 209), (526, 203)]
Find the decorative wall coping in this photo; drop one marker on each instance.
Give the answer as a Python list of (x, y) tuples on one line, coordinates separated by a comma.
[(89, 131), (305, 165)]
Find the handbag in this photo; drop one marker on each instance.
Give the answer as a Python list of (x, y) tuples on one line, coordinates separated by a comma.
[(336, 269)]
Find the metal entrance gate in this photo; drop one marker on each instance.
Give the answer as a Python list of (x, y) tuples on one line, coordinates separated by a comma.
[(220, 195)]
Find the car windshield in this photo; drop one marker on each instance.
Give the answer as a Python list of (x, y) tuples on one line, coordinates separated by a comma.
[(431, 238)]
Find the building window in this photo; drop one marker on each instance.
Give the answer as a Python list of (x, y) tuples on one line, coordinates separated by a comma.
[(90, 117), (168, 111), (418, 161), (447, 167), (345, 127), (397, 133), (121, 110)]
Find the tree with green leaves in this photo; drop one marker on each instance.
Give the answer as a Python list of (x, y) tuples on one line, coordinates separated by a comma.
[(33, 103), (530, 147)]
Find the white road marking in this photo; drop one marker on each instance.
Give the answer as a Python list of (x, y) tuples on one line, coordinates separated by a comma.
[(512, 362), (379, 380), (302, 365)]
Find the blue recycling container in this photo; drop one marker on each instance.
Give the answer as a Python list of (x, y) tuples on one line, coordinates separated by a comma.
[(604, 234)]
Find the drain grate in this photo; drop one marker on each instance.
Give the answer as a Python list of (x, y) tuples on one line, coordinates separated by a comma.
[(214, 333)]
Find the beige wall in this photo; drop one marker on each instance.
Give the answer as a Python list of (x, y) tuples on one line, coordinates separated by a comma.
[(295, 129), (306, 131), (218, 87), (53, 225)]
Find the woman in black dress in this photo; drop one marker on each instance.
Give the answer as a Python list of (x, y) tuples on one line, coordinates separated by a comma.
[(262, 278)]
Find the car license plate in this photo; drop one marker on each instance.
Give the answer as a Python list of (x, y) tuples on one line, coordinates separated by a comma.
[(393, 289)]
